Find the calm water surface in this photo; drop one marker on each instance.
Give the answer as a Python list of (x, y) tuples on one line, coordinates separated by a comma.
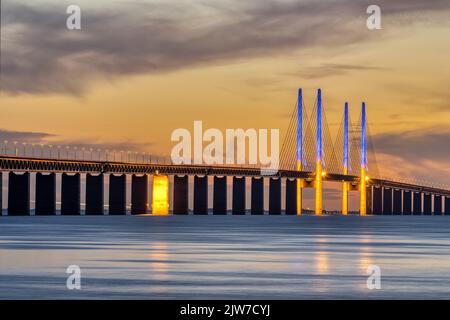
[(225, 257)]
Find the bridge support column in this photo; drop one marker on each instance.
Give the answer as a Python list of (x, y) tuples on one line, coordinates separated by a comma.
[(70, 194), (45, 194), (181, 194), (220, 195), (417, 203), (377, 200), (369, 200), (291, 197), (437, 210), (139, 194), (1, 194), (427, 204), (19, 194), (275, 196), (160, 195), (117, 194), (201, 195), (363, 193), (238, 196), (345, 190), (257, 196), (319, 154), (345, 184), (94, 194), (447, 205), (407, 202), (387, 201), (318, 200), (397, 202), (299, 197), (363, 177)]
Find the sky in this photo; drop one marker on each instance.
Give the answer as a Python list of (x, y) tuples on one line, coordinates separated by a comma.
[(137, 70)]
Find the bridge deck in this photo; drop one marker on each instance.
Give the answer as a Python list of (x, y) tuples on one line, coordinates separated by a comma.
[(12, 163)]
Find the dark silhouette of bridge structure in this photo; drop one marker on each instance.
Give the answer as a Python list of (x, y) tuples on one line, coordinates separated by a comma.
[(308, 157)]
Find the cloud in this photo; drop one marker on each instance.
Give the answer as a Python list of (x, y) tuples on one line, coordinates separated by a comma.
[(40, 56), (416, 145), (47, 139), (332, 69), (31, 137)]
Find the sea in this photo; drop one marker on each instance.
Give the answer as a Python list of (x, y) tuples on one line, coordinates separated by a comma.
[(225, 257)]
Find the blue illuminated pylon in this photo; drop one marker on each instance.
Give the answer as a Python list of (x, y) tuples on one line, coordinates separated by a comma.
[(363, 176), (299, 126), (346, 137), (319, 173), (299, 149), (345, 185), (363, 136), (319, 126)]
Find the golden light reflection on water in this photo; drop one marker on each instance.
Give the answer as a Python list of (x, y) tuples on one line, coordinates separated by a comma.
[(159, 257), (322, 263), (365, 258)]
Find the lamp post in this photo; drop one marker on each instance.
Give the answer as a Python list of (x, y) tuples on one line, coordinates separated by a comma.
[(5, 142)]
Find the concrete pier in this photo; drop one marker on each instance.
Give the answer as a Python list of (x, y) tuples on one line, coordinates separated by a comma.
[(200, 195), (139, 194), (407, 208), (377, 200), (94, 194), (447, 205), (45, 194), (417, 203), (117, 194), (70, 194), (291, 197), (275, 196), (19, 194), (220, 195), (437, 210), (397, 202), (427, 207), (369, 200), (387, 201), (1, 193), (180, 194), (257, 196), (238, 206)]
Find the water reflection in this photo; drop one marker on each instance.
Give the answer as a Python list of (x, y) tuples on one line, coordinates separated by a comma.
[(224, 257), (159, 257)]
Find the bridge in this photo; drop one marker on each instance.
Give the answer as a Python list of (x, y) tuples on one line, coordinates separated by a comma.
[(309, 157)]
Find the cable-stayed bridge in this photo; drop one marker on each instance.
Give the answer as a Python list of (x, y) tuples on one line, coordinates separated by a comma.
[(309, 157)]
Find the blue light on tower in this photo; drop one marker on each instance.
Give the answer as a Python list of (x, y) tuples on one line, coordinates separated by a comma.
[(363, 137), (319, 126), (299, 125), (346, 135)]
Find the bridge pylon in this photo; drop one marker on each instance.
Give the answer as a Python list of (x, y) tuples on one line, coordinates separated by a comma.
[(299, 149), (363, 177), (345, 184), (319, 154)]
